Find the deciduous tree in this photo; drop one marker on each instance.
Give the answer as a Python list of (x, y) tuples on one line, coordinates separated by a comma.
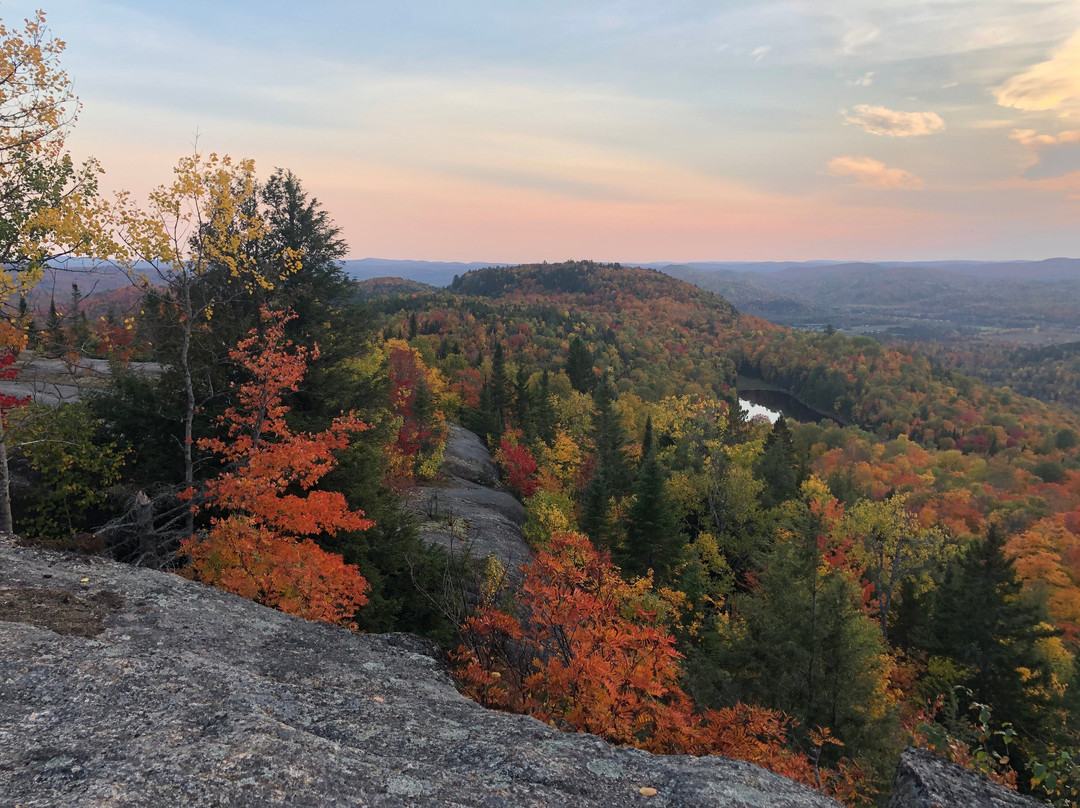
[(258, 544)]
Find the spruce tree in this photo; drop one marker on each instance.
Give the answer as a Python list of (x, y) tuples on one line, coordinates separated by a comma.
[(54, 329), (522, 409), (983, 623), (611, 478), (499, 385), (809, 650), (652, 533), (778, 467), (579, 366), (544, 410)]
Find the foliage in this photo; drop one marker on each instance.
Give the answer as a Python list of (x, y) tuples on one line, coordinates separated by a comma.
[(585, 653), (415, 390), (73, 468), (255, 548), (517, 463)]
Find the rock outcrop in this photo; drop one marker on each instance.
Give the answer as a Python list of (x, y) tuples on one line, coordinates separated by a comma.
[(464, 512), (127, 687), (924, 780)]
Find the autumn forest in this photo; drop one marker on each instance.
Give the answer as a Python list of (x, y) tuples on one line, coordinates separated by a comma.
[(812, 597)]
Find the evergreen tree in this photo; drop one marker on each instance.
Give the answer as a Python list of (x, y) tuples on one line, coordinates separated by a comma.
[(609, 439), (54, 329), (611, 477), (653, 540), (981, 621), (579, 366), (522, 410), (778, 467), (499, 385), (544, 409), (809, 650)]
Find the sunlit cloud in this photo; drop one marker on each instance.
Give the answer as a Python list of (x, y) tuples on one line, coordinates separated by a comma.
[(872, 173), (1028, 137), (1050, 155), (1050, 85), (891, 123)]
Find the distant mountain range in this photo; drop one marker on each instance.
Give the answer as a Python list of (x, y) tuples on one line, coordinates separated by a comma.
[(435, 273), (441, 273)]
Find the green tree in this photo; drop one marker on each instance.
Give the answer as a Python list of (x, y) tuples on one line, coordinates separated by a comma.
[(579, 366), (896, 549), (981, 621), (808, 649), (653, 540), (544, 409), (610, 480), (72, 465), (778, 467), (499, 386)]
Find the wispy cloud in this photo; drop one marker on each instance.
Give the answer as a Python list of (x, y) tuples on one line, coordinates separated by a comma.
[(759, 53), (872, 173), (891, 123), (1029, 137), (865, 80), (1050, 85), (1050, 155), (858, 37)]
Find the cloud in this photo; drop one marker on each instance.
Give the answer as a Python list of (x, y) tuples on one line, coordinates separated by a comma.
[(759, 52), (858, 37), (1051, 155), (1029, 138), (865, 80), (1050, 85), (872, 173), (889, 122)]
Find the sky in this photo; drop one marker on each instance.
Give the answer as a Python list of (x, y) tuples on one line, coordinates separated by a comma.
[(670, 130)]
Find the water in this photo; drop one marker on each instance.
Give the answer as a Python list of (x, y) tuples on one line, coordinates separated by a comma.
[(752, 409), (774, 403)]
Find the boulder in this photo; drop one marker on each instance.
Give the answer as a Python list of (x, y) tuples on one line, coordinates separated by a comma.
[(122, 686), (924, 780)]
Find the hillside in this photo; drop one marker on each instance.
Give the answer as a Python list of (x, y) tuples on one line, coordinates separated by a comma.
[(905, 300), (695, 583)]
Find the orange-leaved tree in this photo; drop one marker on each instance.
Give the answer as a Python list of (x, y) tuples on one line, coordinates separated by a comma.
[(259, 544), (583, 652), (420, 436)]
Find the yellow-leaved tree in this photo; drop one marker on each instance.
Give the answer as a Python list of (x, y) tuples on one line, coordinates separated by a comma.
[(49, 207), (205, 221)]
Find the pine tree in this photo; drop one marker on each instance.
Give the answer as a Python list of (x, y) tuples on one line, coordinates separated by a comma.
[(652, 533), (54, 329), (778, 467), (809, 650), (544, 410), (522, 409), (579, 366), (499, 384), (982, 622)]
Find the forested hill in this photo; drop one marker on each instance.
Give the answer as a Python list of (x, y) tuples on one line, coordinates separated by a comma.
[(847, 573), (656, 334)]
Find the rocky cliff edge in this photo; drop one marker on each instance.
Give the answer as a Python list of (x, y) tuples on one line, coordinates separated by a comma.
[(127, 687)]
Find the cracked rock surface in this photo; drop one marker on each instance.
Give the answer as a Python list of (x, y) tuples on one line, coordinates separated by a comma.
[(190, 696), (463, 511)]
